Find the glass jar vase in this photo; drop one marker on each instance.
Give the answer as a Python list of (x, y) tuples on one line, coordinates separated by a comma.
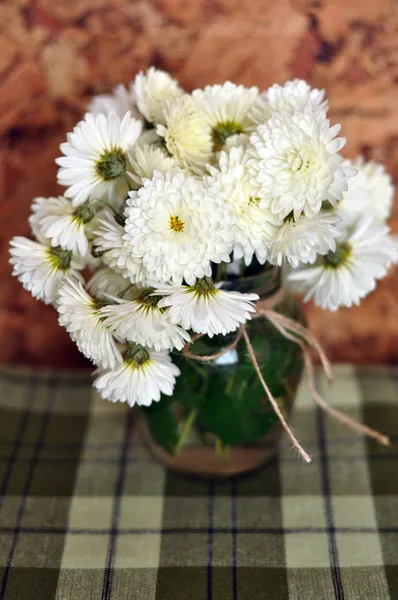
[(219, 421)]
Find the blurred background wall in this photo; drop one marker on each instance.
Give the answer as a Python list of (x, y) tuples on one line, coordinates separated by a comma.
[(54, 54)]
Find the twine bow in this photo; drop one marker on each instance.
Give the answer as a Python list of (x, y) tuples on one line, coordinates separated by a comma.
[(297, 333)]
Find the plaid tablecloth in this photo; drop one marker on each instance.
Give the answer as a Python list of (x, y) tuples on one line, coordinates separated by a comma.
[(87, 514)]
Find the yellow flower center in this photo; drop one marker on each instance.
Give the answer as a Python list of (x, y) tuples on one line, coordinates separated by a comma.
[(60, 258), (111, 164), (222, 131), (204, 287), (176, 224), (333, 260), (136, 356)]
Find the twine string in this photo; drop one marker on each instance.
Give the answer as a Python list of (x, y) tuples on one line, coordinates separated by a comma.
[(309, 367), (303, 332), (274, 404), (207, 357), (300, 335)]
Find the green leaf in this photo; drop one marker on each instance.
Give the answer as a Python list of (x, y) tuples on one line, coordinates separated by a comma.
[(191, 386), (235, 408)]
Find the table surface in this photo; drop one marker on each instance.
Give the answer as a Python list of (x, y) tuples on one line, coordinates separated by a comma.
[(87, 514)]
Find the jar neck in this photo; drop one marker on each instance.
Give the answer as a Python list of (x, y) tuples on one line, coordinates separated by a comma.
[(266, 282)]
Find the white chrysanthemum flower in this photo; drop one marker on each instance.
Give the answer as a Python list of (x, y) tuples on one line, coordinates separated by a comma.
[(175, 227), (107, 282), (95, 158), (65, 225), (42, 268), (293, 96), (142, 321), (370, 192), (80, 314), (153, 90), (120, 101), (145, 159), (186, 133), (116, 252), (301, 241), (227, 109), (345, 276), (295, 164), (142, 377), (206, 309), (255, 226)]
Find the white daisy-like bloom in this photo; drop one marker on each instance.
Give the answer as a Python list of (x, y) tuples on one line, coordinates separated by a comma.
[(255, 225), (293, 96), (206, 309), (186, 133), (303, 240), (371, 192), (227, 109), (64, 224), (120, 101), (42, 268), (345, 276), (141, 379), (235, 141), (107, 282), (95, 158), (80, 314), (153, 90), (142, 321), (116, 252), (145, 159), (175, 227), (295, 164)]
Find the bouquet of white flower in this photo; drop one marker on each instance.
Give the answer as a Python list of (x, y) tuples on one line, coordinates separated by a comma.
[(173, 200)]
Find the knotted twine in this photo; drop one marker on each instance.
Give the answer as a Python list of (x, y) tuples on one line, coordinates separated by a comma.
[(300, 335)]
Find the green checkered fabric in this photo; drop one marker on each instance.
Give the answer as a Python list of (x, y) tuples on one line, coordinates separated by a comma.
[(87, 514)]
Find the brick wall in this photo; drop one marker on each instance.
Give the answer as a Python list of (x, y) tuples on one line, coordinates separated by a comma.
[(54, 54)]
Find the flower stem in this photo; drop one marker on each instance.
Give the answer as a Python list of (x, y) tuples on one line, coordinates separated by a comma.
[(185, 431), (124, 292), (230, 385), (287, 387), (242, 268), (222, 451)]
